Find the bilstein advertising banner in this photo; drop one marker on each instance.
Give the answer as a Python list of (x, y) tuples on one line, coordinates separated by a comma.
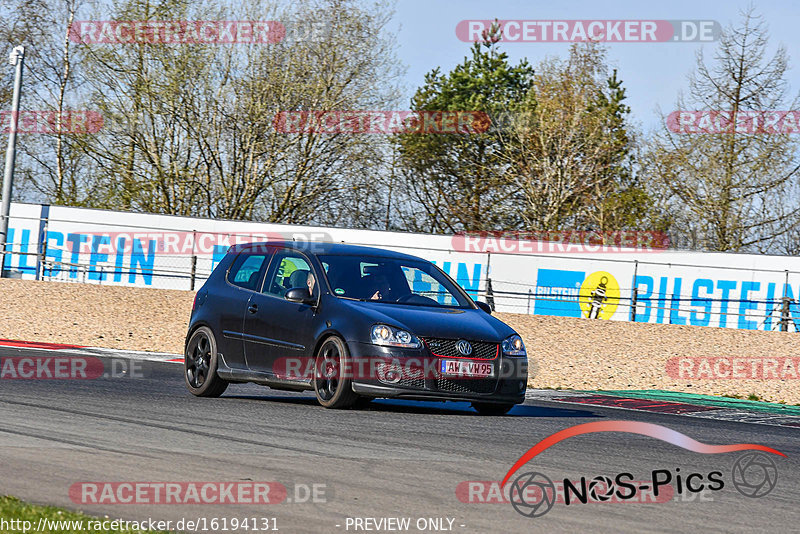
[(634, 279)]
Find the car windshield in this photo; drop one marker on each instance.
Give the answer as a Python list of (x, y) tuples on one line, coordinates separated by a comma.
[(391, 280)]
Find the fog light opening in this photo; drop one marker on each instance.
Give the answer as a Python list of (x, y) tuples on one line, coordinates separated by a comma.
[(389, 374), (393, 375)]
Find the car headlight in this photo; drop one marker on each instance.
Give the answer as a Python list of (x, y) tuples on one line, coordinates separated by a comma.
[(394, 337), (513, 346)]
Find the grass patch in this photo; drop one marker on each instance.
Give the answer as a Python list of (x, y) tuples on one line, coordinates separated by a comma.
[(14, 513)]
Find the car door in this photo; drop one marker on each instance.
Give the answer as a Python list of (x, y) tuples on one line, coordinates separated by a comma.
[(241, 281), (279, 334)]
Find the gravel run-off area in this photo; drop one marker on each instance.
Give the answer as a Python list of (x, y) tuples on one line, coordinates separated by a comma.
[(565, 353)]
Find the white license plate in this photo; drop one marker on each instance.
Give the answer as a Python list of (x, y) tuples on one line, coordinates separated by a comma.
[(466, 368)]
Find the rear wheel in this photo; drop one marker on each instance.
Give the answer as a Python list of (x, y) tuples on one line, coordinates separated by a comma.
[(200, 365), (487, 408), (333, 389)]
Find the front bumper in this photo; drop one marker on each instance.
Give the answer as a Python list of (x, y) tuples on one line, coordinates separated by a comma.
[(415, 374)]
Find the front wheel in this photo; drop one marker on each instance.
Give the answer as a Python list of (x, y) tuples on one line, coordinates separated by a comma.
[(332, 387), (200, 365), (486, 408)]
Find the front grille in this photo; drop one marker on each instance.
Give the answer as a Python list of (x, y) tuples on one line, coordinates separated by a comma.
[(481, 350), (467, 385)]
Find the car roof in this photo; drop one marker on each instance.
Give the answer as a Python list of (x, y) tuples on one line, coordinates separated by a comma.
[(331, 249)]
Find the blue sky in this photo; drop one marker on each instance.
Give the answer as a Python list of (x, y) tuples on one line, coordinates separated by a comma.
[(653, 73)]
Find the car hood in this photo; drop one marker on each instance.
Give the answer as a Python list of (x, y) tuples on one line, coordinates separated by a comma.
[(423, 321)]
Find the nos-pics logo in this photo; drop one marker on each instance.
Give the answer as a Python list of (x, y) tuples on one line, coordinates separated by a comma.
[(532, 494)]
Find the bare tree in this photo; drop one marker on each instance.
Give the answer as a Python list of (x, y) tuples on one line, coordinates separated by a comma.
[(49, 162), (195, 128), (570, 147), (735, 190)]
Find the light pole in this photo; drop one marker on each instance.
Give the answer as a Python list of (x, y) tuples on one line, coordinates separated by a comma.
[(16, 58)]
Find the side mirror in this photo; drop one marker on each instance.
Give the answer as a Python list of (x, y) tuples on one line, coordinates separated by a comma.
[(300, 295), (485, 307)]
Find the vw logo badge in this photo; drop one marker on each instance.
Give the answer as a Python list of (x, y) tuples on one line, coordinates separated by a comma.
[(463, 347)]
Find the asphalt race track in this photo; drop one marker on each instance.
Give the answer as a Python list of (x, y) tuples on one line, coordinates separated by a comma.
[(389, 459)]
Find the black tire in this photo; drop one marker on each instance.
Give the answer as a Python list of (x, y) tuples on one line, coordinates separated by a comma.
[(332, 389), (487, 408), (200, 365)]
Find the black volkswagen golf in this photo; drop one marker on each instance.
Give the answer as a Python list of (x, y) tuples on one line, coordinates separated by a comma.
[(349, 322)]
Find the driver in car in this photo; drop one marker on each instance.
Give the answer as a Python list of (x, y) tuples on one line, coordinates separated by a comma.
[(382, 288), (311, 282)]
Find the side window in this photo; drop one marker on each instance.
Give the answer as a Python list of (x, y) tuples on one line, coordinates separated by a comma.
[(246, 270), (289, 270)]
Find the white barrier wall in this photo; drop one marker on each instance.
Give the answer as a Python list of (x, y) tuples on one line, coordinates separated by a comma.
[(707, 289)]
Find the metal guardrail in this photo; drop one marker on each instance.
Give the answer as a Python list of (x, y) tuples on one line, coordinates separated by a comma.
[(781, 314), (786, 307), (99, 273)]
